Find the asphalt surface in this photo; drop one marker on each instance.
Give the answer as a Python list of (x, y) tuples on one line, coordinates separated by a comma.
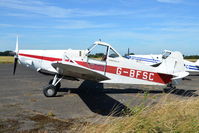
[(22, 99)]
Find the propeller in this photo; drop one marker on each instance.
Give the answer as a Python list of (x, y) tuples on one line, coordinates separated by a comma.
[(15, 65), (15, 56)]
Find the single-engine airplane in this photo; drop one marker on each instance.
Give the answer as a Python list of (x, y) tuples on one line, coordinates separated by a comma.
[(154, 59), (100, 63)]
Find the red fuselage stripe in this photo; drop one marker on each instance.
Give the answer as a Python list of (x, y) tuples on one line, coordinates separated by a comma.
[(132, 73), (41, 57)]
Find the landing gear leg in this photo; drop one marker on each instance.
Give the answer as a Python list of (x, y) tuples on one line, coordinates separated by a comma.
[(53, 87)]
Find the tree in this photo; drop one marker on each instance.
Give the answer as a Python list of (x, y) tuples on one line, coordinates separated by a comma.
[(5, 53), (191, 57)]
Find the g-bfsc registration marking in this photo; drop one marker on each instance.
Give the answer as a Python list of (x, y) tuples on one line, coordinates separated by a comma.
[(136, 74)]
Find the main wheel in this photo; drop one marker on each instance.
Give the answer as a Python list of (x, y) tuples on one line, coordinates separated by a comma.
[(57, 86), (50, 91)]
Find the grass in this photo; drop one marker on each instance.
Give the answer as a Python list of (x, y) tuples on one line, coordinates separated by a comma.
[(50, 114), (6, 59), (192, 60), (10, 59), (173, 117)]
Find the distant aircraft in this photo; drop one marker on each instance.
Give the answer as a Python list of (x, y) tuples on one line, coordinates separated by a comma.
[(100, 63), (155, 59)]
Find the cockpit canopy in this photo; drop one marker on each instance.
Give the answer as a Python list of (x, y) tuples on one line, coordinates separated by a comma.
[(101, 50)]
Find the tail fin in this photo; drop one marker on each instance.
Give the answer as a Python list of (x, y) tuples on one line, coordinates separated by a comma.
[(197, 63), (173, 64)]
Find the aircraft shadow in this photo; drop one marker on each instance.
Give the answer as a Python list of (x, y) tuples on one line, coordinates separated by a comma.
[(193, 74), (186, 79), (97, 101), (181, 92), (95, 97)]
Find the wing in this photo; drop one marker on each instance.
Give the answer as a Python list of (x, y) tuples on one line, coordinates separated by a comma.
[(77, 71)]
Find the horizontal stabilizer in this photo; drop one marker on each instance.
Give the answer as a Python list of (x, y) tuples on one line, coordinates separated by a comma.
[(180, 75)]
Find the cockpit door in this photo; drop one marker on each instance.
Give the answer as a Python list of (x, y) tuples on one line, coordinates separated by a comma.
[(97, 58)]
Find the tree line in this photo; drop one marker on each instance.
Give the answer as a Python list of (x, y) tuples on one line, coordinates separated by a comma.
[(191, 56), (7, 53)]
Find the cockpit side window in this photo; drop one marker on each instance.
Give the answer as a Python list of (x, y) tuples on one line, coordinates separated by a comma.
[(112, 53), (99, 52), (165, 55)]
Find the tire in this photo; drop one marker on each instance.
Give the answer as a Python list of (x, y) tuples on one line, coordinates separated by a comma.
[(57, 86), (50, 91)]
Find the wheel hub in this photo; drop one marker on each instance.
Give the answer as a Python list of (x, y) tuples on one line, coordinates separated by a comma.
[(50, 92)]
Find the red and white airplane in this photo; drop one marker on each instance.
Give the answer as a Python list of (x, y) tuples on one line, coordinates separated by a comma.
[(100, 63)]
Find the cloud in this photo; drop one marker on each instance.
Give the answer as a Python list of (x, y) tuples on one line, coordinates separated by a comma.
[(80, 24), (47, 9), (177, 26), (20, 26), (170, 1), (36, 7), (68, 24), (19, 15), (6, 25)]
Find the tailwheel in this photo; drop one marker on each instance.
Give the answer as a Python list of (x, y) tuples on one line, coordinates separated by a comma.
[(50, 91), (171, 86), (57, 86)]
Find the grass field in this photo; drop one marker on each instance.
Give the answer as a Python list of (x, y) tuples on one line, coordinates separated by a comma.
[(10, 59), (6, 59), (173, 117)]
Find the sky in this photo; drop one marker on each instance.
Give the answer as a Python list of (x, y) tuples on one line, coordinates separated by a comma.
[(144, 26)]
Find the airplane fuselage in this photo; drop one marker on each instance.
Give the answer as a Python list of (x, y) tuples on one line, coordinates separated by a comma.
[(119, 69)]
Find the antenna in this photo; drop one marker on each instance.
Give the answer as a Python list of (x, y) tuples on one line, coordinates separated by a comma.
[(128, 51)]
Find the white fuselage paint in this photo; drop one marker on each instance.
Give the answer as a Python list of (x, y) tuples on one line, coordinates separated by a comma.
[(42, 59), (117, 69)]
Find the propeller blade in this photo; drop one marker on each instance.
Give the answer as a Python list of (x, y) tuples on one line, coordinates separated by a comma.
[(15, 53), (15, 65)]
